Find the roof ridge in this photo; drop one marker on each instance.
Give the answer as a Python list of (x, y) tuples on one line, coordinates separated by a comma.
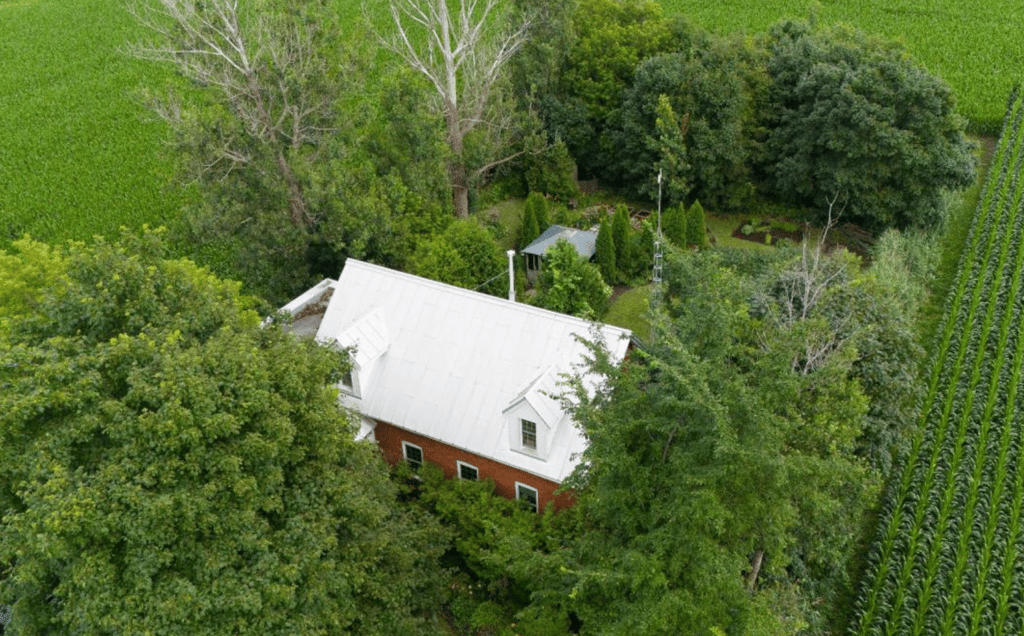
[(503, 302)]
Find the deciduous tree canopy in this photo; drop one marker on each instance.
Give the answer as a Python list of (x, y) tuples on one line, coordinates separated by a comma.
[(857, 117), (167, 465)]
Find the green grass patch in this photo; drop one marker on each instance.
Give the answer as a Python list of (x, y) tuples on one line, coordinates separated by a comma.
[(721, 227), (975, 45), (79, 155), (953, 241), (510, 217), (629, 311)]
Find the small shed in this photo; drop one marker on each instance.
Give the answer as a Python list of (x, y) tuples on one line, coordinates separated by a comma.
[(585, 242)]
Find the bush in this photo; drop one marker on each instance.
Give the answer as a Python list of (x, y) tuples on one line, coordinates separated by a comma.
[(465, 254), (551, 172), (570, 285)]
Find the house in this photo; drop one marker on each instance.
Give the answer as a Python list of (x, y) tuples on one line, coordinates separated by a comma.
[(455, 377), (585, 242)]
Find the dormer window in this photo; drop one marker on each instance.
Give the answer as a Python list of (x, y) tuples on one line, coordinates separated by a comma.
[(350, 381), (529, 434)]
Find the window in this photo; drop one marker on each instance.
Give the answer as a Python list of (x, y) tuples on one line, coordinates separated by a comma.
[(467, 471), (529, 434), (527, 495), (346, 379), (413, 454)]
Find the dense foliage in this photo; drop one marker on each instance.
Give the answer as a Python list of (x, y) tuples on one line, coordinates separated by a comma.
[(948, 552), (732, 466), (803, 115), (604, 254), (570, 285), (969, 43), (464, 254), (167, 465), (857, 121)]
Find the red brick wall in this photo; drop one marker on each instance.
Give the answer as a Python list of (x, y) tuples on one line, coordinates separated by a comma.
[(390, 438)]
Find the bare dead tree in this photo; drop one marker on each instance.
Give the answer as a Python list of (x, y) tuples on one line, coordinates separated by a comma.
[(266, 71), (462, 51), (800, 289)]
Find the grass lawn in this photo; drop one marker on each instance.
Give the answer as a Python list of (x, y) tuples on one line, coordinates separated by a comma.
[(721, 227), (629, 312), (510, 215)]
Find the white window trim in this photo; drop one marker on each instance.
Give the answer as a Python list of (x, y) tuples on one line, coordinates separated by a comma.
[(536, 494), (405, 455), (458, 469), (522, 435)]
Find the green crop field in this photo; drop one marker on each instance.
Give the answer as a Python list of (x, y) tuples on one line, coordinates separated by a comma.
[(977, 46), (79, 154), (948, 556)]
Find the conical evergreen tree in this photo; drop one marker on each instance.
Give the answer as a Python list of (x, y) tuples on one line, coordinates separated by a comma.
[(530, 229), (621, 235), (673, 225), (540, 210), (605, 254), (696, 231), (643, 250)]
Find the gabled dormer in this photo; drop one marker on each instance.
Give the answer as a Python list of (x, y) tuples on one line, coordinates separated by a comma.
[(532, 417), (367, 339)]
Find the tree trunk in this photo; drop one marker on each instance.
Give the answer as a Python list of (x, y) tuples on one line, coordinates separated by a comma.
[(460, 190), (755, 569), (457, 167)]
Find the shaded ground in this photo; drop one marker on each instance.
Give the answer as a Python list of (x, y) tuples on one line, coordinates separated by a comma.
[(852, 237)]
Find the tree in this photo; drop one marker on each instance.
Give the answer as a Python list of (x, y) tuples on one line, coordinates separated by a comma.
[(466, 255), (611, 38), (678, 539), (462, 52), (539, 204), (268, 72), (168, 465), (605, 252), (643, 250), (673, 226), (708, 128), (696, 231), (858, 116), (530, 229), (550, 169), (674, 169), (273, 122), (570, 285), (622, 236)]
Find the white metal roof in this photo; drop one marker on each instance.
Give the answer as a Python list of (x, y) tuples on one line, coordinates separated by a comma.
[(456, 359), (369, 336)]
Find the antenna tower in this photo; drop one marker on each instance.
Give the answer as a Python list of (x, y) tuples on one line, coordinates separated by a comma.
[(657, 246)]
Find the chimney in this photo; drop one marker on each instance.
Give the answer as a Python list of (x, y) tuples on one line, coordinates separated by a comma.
[(511, 276)]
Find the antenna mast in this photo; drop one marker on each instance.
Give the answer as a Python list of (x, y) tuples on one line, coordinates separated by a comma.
[(657, 245)]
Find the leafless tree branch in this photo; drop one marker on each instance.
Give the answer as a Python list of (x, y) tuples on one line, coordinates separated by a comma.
[(462, 53), (261, 66), (800, 290)]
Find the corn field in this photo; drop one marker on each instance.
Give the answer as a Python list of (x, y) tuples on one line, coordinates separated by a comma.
[(949, 555)]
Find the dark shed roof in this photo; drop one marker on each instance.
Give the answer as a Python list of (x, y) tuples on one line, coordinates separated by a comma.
[(585, 241)]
